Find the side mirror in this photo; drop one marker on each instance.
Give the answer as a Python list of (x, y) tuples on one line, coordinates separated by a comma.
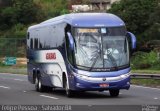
[(133, 40), (71, 41)]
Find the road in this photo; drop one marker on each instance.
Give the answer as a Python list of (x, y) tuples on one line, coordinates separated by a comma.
[(15, 90)]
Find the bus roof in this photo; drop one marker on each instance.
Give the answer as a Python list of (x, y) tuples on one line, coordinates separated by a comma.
[(86, 20)]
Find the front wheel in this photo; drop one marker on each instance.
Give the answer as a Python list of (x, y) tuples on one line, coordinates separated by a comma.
[(69, 93), (114, 92)]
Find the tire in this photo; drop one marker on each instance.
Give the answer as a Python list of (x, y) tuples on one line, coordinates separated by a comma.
[(114, 93), (69, 93), (38, 85)]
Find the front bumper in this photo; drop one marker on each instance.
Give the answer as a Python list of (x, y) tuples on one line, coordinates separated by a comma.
[(94, 83)]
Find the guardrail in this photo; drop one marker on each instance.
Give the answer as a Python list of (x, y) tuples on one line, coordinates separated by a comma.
[(145, 76)]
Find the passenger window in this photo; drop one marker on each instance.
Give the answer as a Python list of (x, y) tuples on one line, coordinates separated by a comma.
[(40, 44), (28, 35), (31, 44), (36, 43)]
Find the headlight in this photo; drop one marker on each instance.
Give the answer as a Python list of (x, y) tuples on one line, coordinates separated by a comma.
[(81, 76), (125, 75)]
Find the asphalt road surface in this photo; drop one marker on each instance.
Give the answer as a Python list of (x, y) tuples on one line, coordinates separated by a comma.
[(16, 90)]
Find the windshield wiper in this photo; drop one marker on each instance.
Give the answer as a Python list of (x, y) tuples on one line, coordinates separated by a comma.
[(94, 62), (113, 61)]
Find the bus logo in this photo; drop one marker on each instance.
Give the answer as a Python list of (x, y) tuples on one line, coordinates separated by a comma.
[(50, 56), (104, 79)]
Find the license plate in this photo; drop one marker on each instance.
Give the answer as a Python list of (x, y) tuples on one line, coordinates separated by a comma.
[(104, 85)]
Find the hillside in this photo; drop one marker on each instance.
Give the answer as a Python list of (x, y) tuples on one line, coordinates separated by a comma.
[(17, 15)]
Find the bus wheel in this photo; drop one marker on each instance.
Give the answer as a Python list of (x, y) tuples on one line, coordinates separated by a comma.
[(114, 92), (38, 84), (69, 93)]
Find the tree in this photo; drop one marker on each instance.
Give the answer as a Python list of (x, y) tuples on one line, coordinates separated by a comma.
[(7, 18), (4, 3), (137, 15), (21, 11), (26, 11), (53, 8), (153, 32), (60, 7)]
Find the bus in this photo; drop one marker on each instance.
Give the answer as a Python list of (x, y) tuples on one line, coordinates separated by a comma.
[(80, 52)]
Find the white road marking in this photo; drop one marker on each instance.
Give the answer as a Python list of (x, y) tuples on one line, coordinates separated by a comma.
[(5, 87), (24, 91), (155, 98), (49, 97), (146, 87), (18, 79)]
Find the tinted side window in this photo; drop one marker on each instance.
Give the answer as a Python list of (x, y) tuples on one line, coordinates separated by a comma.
[(40, 44), (28, 35), (31, 43), (36, 43)]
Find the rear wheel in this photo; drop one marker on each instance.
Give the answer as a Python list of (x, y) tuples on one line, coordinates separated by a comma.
[(38, 85), (114, 92)]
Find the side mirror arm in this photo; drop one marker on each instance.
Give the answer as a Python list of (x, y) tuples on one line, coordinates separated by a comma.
[(71, 41), (133, 39)]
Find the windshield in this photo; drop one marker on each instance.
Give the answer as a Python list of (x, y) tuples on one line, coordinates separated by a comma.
[(101, 48)]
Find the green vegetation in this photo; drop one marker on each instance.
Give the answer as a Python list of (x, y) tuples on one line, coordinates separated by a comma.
[(12, 47), (142, 17), (143, 60), (147, 63), (18, 15), (52, 8), (13, 70), (16, 18), (146, 82)]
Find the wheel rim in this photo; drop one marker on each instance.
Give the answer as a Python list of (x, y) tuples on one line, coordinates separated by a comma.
[(36, 84), (66, 87), (39, 84)]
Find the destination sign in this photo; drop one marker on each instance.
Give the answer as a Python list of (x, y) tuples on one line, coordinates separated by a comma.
[(85, 30)]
